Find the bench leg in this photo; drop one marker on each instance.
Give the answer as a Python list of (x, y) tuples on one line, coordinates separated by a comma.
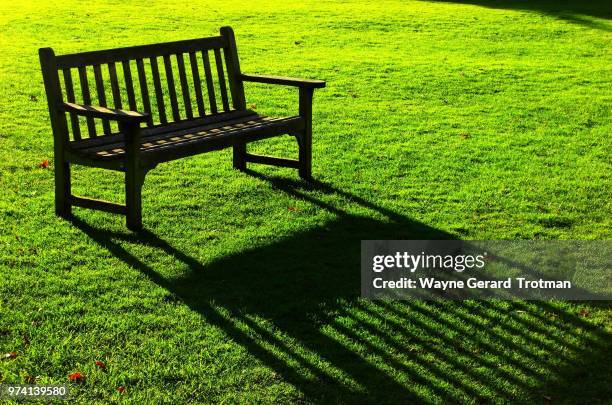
[(240, 156), (133, 199), (305, 155), (62, 189), (134, 177), (305, 138)]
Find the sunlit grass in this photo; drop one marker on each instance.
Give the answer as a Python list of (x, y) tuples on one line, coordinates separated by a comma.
[(440, 120)]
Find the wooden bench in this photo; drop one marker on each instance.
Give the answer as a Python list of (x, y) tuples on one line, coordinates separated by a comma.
[(150, 115)]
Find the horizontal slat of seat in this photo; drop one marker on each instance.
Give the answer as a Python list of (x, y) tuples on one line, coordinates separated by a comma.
[(138, 52), (158, 144), (206, 142), (163, 128)]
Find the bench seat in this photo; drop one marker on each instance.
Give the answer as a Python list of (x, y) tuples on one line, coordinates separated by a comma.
[(164, 143)]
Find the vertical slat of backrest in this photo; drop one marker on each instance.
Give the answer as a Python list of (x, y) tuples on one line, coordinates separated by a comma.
[(74, 120), (112, 72), (101, 96), (210, 86), (221, 76), (232, 64), (144, 90), (159, 94), (129, 85), (91, 125), (171, 89), (180, 60), (197, 83)]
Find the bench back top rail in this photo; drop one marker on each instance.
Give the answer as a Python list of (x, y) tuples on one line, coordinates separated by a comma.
[(174, 82)]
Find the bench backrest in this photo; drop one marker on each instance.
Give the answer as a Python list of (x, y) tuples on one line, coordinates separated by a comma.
[(174, 82)]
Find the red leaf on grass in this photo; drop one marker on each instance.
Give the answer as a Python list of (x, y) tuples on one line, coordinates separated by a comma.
[(76, 377), (10, 355), (584, 313), (121, 389), (44, 164), (293, 209), (100, 364)]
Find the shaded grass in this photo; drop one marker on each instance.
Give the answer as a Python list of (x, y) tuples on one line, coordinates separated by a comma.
[(440, 120)]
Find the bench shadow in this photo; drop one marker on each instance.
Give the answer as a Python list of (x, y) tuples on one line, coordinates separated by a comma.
[(294, 306), (574, 11)]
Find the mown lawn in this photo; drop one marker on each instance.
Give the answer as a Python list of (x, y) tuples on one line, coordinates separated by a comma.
[(441, 119)]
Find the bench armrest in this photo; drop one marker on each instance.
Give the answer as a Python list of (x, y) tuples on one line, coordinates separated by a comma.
[(286, 81), (123, 116)]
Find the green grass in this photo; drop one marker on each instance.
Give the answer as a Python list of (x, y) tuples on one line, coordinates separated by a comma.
[(441, 119)]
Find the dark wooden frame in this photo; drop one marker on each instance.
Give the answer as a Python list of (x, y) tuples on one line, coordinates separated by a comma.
[(134, 163)]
